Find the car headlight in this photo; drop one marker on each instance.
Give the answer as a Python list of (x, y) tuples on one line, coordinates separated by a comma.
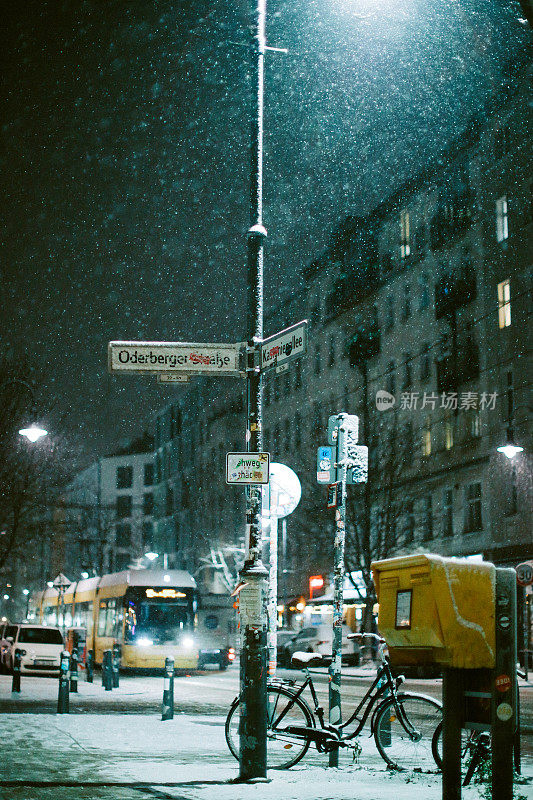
[(144, 642), (187, 642)]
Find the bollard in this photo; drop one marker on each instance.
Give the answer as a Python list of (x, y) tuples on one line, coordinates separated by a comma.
[(15, 686), (168, 690), (62, 697), (74, 670), (116, 665), (89, 666), (107, 670)]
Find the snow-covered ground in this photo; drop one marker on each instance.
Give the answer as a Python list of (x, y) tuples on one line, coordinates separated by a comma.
[(126, 756)]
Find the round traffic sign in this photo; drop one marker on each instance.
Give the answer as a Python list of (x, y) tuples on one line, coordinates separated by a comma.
[(524, 573), (285, 490)]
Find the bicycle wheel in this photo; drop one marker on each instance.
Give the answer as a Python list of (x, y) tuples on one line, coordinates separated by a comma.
[(474, 750), (404, 737), (284, 750)]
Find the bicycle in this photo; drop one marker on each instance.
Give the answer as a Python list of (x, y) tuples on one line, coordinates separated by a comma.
[(402, 723), (475, 750)]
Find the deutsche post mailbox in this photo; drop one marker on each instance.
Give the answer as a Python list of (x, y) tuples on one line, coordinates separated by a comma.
[(435, 610)]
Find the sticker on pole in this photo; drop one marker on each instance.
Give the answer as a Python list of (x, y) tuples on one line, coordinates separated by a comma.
[(247, 468), (524, 573), (324, 465)]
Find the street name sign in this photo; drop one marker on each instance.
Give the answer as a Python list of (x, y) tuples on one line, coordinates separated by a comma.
[(279, 350), (173, 358), (247, 468)]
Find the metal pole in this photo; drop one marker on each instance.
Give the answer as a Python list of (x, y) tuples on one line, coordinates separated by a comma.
[(452, 700), (107, 670), (74, 670), (116, 665), (168, 690), (284, 571), (504, 703), (273, 596), (338, 594), (252, 598), (89, 666), (15, 685), (62, 695)]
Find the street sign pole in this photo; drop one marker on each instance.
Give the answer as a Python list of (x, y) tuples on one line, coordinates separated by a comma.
[(338, 581), (252, 598)]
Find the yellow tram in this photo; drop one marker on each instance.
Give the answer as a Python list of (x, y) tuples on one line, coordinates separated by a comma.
[(151, 614)]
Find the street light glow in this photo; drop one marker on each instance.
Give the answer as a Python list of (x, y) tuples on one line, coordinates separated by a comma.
[(33, 433), (509, 450), (25, 591), (151, 556), (84, 575)]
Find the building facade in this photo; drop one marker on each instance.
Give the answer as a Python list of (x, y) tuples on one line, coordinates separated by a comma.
[(418, 323)]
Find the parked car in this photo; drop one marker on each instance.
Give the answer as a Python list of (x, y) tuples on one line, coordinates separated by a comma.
[(40, 647), (222, 657), (319, 639), (284, 636)]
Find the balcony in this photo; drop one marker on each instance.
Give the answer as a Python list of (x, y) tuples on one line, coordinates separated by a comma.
[(451, 221), (467, 367), (454, 290), (364, 344)]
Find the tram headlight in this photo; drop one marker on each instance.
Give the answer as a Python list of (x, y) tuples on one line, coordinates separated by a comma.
[(187, 643), (144, 642)]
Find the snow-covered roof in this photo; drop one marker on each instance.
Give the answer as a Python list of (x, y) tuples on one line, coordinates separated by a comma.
[(149, 577)]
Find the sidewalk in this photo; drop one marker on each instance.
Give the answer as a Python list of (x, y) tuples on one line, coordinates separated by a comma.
[(136, 757)]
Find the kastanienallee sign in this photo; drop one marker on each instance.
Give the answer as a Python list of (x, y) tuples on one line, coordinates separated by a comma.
[(190, 357), (284, 346)]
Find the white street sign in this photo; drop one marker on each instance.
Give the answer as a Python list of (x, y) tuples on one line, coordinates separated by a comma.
[(246, 468), (170, 358), (179, 377), (285, 346)]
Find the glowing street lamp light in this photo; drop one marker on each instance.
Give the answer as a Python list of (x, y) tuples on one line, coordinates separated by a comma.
[(151, 556), (510, 449), (33, 433)]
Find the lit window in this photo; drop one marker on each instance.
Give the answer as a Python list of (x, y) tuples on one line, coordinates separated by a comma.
[(448, 432), (405, 239), (502, 219), (426, 438), (504, 304), (447, 512)]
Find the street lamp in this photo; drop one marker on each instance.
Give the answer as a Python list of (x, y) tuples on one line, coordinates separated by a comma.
[(151, 556), (33, 433), (510, 449), (26, 593)]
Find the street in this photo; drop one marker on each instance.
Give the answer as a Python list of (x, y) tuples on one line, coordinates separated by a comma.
[(114, 744)]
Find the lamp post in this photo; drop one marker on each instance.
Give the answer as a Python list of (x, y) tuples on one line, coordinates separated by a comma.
[(26, 593)]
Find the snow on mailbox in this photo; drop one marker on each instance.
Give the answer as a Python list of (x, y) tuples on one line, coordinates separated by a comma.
[(435, 610)]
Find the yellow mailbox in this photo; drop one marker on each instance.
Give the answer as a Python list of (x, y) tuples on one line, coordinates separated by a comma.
[(435, 610)]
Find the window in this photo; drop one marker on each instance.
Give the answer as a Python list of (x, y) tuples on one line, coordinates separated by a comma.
[(409, 522), (504, 303), (391, 378), (472, 507), (426, 438), (447, 512), (423, 286), (287, 435), (123, 534), (148, 474), (448, 431), (406, 371), (502, 219), (405, 237), (389, 317), (331, 355), (406, 308), (317, 360), (297, 430), (425, 363), (298, 375), (510, 395), (124, 506), (148, 533), (148, 504), (124, 477), (427, 518)]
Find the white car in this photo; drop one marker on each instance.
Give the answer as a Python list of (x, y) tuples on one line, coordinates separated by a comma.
[(318, 639), (40, 646)]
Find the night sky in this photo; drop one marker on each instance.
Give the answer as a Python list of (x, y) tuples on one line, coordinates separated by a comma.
[(124, 165)]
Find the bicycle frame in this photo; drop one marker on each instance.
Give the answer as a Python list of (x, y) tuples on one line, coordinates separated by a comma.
[(371, 700)]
